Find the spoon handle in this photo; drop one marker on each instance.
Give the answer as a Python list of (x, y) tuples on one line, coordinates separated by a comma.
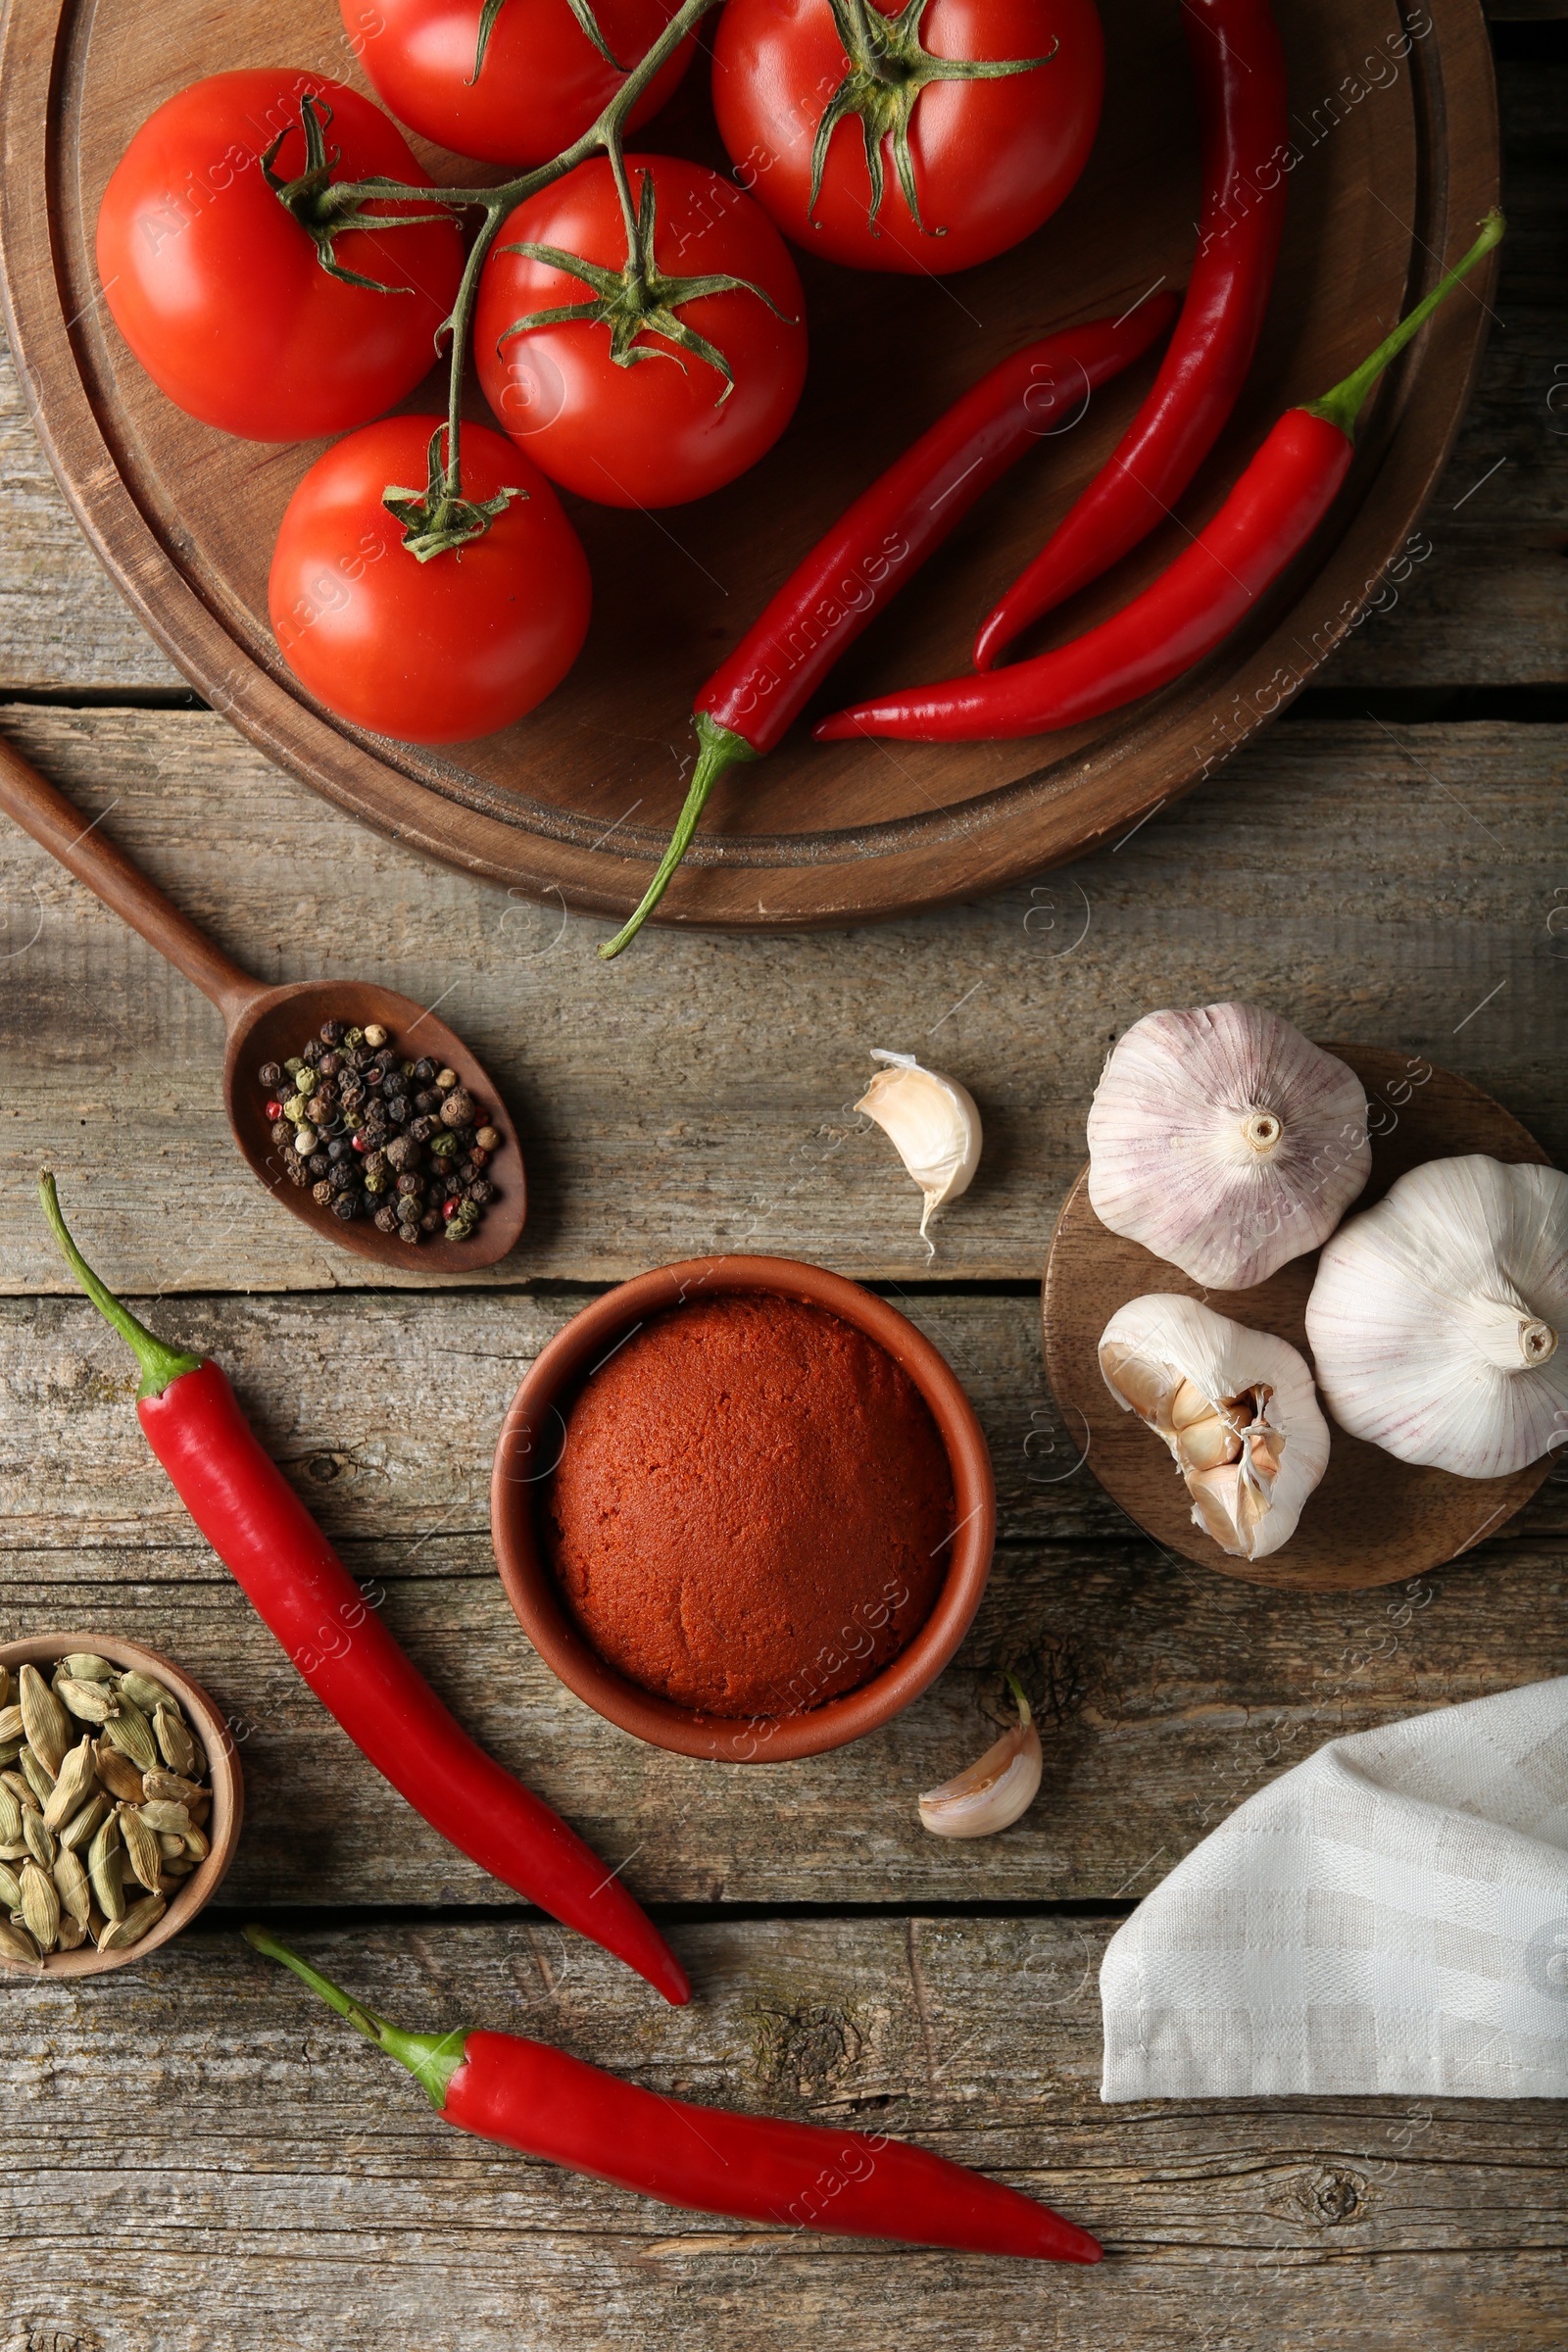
[(55, 823)]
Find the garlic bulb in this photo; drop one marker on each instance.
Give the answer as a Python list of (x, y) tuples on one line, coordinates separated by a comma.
[(933, 1124), (1225, 1142), (1434, 1317), (1235, 1406), (992, 1793)]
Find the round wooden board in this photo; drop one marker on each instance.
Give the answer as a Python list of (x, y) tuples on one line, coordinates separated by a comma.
[(1397, 160), (1372, 1519)]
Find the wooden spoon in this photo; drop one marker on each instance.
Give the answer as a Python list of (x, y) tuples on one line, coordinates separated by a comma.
[(270, 1024)]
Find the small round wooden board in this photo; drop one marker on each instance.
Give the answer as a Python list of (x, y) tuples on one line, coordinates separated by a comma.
[(1373, 1519), (1395, 158)]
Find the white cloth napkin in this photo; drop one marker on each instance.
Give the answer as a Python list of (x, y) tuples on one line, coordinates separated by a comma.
[(1390, 1916)]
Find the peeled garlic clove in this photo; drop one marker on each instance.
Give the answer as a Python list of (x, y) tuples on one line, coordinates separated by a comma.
[(1236, 1407), (933, 1124), (1434, 1317), (1225, 1142), (993, 1793)]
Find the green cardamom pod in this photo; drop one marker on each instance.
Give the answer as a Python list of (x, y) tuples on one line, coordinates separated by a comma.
[(160, 1787), (175, 1742), (40, 1906), (106, 1868), (43, 1719), (81, 1832), (141, 1850), (10, 1816), (11, 1887), (76, 1782), (160, 1814), (70, 1882), (11, 1726), (16, 1943), (134, 1925), (40, 1781), (83, 1666), (119, 1775), (89, 1702), (130, 1731), (39, 1843), (73, 1932), (144, 1693)]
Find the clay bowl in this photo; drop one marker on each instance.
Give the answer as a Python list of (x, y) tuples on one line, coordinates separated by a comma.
[(530, 1444), (223, 1765)]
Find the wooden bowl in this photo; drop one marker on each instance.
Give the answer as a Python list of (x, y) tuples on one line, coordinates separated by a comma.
[(1393, 160), (1373, 1519), (533, 1438), (222, 1764)]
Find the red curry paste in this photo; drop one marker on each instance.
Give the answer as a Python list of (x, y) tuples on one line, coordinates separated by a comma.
[(753, 1509)]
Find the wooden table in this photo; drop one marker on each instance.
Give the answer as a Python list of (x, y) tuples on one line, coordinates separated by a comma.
[(194, 2158)]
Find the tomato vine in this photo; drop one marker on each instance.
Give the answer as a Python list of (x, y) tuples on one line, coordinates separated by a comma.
[(441, 517)]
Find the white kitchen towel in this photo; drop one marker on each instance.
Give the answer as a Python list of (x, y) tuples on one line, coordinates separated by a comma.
[(1390, 1916)]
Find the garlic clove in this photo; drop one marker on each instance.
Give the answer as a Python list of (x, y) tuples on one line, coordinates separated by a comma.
[(933, 1125), (1434, 1317), (992, 1793), (1236, 1407), (1225, 1142)]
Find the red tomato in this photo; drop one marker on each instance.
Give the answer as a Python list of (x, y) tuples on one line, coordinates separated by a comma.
[(542, 82), (436, 651), (992, 159), (661, 430), (218, 288)]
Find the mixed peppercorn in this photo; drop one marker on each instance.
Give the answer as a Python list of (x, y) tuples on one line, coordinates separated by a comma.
[(375, 1136)]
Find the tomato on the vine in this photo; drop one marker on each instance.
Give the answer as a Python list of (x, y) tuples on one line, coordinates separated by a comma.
[(648, 388), (219, 287), (438, 650), (836, 112), (519, 89)]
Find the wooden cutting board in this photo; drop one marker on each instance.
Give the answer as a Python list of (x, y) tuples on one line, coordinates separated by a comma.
[(1372, 1519), (1398, 158)]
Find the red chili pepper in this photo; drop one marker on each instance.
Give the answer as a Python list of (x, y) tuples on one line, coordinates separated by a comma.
[(303, 1593), (879, 544), (1191, 609), (1239, 72), (754, 2168)]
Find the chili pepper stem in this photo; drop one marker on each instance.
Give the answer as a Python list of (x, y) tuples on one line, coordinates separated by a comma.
[(433, 2058), (161, 1364), (1343, 406), (721, 749)]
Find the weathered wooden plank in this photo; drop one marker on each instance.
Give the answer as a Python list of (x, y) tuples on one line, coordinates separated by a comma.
[(315, 2200), (1486, 606), (385, 1459), (1169, 1694), (1395, 885)]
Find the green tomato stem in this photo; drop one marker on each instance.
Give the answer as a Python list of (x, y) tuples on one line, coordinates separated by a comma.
[(608, 133)]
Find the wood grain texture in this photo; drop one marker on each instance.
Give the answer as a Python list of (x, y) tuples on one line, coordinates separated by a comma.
[(384, 1408), (316, 2200), (1170, 1693), (184, 517), (1395, 885)]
